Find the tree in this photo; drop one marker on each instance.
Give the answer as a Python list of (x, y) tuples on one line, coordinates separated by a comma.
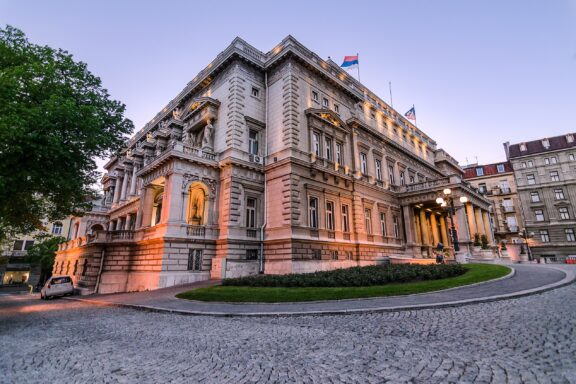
[(44, 254), (55, 120)]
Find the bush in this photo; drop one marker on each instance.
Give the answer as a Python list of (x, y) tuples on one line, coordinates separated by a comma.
[(503, 245), (354, 277), (477, 240), (484, 242)]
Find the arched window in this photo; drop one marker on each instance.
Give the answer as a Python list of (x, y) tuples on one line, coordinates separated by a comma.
[(96, 227), (57, 228), (157, 209), (197, 207), (75, 230)]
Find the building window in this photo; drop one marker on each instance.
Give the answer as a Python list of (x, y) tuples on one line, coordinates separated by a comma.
[(564, 215), (523, 164), (559, 194), (18, 245), (337, 108), (57, 228), (570, 234), (539, 215), (255, 92), (348, 255), (334, 255), (345, 220), (479, 171), (253, 142), (402, 178), (313, 212), (554, 160), (84, 267), (546, 143), (383, 224), (315, 96), (368, 220), (554, 176), (531, 179), (330, 215), (546, 161), (378, 164), (316, 144), (544, 236), (195, 259), (530, 163), (251, 254), (339, 153), (523, 147), (316, 254), (571, 157), (569, 138), (482, 188), (28, 245), (391, 174), (328, 142), (325, 102), (251, 212), (535, 197), (363, 163), (396, 226), (411, 179), (500, 168)]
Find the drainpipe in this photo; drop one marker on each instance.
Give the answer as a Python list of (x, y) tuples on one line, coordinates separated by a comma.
[(261, 261), (100, 271)]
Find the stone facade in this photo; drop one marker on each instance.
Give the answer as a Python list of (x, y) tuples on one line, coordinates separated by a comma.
[(273, 162), (545, 173)]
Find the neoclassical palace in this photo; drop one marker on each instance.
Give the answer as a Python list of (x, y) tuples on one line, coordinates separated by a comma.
[(276, 162)]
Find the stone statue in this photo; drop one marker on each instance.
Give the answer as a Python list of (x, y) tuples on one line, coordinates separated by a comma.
[(186, 138), (150, 138), (176, 113), (129, 154), (208, 134), (163, 125), (197, 203)]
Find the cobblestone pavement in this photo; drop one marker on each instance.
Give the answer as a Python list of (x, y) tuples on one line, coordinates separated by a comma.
[(525, 340)]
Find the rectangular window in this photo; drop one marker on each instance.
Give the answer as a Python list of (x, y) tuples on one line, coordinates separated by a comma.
[(530, 163), (544, 236), (535, 197), (531, 179), (255, 92), (251, 212), (253, 142), (559, 194), (383, 224), (345, 220), (546, 161), (328, 143), (539, 215), (28, 245), (330, 215), (251, 254), (337, 108), (18, 245), (571, 157), (195, 259), (325, 102), (57, 229), (378, 164), (554, 160), (500, 168), (411, 179), (396, 225), (482, 188), (504, 186), (339, 156), (570, 234), (316, 254), (523, 165), (479, 171), (363, 163), (313, 212), (348, 255), (314, 95), (316, 144), (564, 215), (402, 179), (334, 255), (391, 174), (368, 220), (554, 176)]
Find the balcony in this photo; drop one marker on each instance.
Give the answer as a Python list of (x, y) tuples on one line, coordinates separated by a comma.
[(508, 208), (196, 231), (512, 228)]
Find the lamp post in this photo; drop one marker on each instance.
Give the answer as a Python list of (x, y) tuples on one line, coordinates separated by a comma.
[(447, 201), (525, 236)]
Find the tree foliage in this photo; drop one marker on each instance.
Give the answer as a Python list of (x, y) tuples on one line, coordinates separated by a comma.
[(44, 253), (55, 120)]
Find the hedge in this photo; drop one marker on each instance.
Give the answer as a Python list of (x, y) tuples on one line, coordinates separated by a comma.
[(354, 277)]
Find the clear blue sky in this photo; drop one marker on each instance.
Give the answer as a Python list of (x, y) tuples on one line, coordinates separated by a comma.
[(479, 72)]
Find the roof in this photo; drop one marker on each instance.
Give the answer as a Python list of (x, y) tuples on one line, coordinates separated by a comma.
[(537, 146), (489, 170)]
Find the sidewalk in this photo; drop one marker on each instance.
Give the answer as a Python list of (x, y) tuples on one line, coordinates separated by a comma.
[(526, 280)]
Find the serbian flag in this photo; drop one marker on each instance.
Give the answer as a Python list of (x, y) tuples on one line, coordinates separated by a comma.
[(350, 62), (411, 114)]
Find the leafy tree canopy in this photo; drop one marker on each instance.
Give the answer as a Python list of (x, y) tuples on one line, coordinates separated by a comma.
[(44, 253), (55, 119)]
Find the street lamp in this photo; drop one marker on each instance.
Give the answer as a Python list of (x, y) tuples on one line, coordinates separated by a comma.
[(525, 235), (447, 201)]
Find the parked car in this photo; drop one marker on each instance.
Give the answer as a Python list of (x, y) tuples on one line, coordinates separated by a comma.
[(57, 286)]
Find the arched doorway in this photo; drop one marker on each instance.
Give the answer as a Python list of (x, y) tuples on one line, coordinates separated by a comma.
[(157, 208)]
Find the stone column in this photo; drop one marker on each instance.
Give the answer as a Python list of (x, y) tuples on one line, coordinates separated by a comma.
[(434, 224), (471, 220), (461, 223), (479, 222), (416, 225), (356, 154), (147, 200), (124, 185), (173, 199), (133, 180), (424, 228), (487, 228), (116, 190), (443, 232), (408, 214), (128, 222)]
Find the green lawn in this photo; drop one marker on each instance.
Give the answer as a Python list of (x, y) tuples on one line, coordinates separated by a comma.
[(476, 273)]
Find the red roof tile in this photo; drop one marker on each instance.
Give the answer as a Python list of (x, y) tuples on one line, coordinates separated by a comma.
[(489, 170)]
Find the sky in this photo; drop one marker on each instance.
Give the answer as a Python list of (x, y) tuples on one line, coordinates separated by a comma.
[(479, 73)]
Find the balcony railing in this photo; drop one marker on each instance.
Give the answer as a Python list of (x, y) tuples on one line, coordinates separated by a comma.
[(508, 208), (251, 233), (120, 235), (512, 228), (425, 185), (196, 230)]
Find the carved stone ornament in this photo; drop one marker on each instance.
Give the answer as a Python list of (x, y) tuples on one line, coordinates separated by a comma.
[(150, 138), (177, 113), (188, 178)]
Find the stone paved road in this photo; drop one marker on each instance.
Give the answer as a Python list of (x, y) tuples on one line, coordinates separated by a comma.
[(525, 340)]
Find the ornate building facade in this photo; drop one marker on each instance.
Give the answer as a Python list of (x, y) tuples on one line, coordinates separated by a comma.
[(545, 173), (275, 162)]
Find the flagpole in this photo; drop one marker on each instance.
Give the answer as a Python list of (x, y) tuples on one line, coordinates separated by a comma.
[(358, 58), (415, 121)]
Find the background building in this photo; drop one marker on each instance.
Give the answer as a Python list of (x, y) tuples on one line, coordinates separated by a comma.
[(273, 162), (545, 173)]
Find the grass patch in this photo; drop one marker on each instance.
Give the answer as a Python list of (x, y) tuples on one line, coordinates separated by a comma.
[(474, 273)]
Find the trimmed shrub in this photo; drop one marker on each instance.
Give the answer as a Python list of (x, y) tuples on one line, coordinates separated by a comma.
[(503, 246), (354, 277), (484, 242), (477, 240)]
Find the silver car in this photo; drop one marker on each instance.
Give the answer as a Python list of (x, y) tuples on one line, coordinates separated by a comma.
[(57, 286)]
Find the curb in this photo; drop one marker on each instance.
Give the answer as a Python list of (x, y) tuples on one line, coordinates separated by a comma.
[(568, 279)]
